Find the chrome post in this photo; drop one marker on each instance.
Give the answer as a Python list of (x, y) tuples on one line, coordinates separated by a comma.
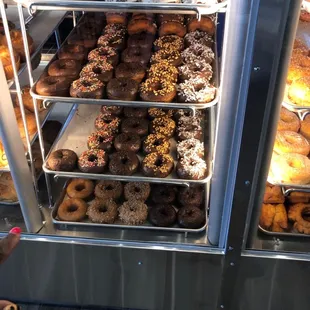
[(36, 112)]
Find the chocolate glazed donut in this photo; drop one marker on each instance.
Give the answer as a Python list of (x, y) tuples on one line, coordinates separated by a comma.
[(162, 215), (124, 163), (190, 217), (135, 126), (73, 51), (62, 160), (127, 142), (53, 86), (65, 67), (122, 89)]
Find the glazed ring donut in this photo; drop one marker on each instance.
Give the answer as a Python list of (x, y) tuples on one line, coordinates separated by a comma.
[(87, 87), (102, 211), (133, 212), (288, 121), (162, 215), (190, 217), (106, 190), (80, 188), (172, 27), (93, 161), (299, 91), (141, 25), (72, 210), (291, 142), (157, 165), (296, 214), (305, 127), (291, 168), (53, 86), (205, 24), (62, 160), (65, 67)]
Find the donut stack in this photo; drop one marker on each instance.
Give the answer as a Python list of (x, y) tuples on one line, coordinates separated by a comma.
[(290, 161), (190, 149)]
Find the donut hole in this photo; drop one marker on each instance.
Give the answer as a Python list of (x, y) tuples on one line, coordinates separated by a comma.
[(103, 53), (199, 87), (72, 208), (158, 162), (97, 70), (108, 121), (86, 83), (157, 142), (137, 190), (109, 188), (102, 209), (60, 155), (79, 187), (92, 158), (305, 214), (124, 160)]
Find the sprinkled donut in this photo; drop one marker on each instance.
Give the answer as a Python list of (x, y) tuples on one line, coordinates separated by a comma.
[(197, 52), (102, 211), (192, 168), (115, 40), (111, 110), (87, 87), (133, 212), (104, 54), (189, 147), (196, 70), (157, 165), (93, 161), (288, 121), (200, 37), (115, 28), (137, 191), (107, 122), (101, 139), (164, 126), (107, 189), (102, 71)]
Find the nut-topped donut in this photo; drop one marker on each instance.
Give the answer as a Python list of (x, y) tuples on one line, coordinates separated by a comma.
[(109, 189), (93, 161), (133, 212), (156, 143), (157, 112), (170, 41), (157, 90), (171, 56), (87, 87), (114, 40), (107, 122), (163, 70), (104, 54), (157, 165), (163, 125), (137, 191), (102, 71), (102, 211)]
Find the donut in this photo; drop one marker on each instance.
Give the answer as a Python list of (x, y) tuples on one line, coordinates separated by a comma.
[(291, 142), (158, 90), (187, 113), (135, 112), (297, 213), (62, 160), (88, 28), (190, 146), (80, 188), (135, 126), (191, 168), (85, 39), (72, 210), (134, 71), (137, 191), (141, 40), (305, 127), (196, 90), (200, 37), (163, 194), (296, 72), (123, 163), (298, 197), (299, 91), (197, 52), (101, 140), (93, 161), (87, 87), (102, 211), (157, 165), (169, 27), (107, 122), (163, 125), (116, 18), (157, 112), (139, 15), (191, 196), (122, 89), (127, 142), (163, 71), (111, 110), (304, 16), (72, 51), (104, 54), (170, 17), (173, 57), (195, 70), (106, 190), (273, 217), (156, 143), (162, 215), (288, 121), (115, 40), (102, 71), (189, 127), (298, 43), (190, 217), (136, 26), (133, 212), (204, 24), (115, 29), (53, 86), (7, 62), (273, 194), (28, 101), (136, 54), (291, 168), (170, 41)]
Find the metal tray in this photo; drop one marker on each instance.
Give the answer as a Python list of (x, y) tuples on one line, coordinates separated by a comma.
[(282, 234), (140, 103), (74, 134), (118, 223)]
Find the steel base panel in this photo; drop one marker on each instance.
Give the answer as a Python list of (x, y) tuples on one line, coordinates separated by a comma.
[(70, 274)]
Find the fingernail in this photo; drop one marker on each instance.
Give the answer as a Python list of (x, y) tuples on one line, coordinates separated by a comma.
[(15, 231)]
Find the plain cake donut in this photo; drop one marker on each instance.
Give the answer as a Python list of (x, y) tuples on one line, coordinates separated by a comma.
[(80, 188), (291, 142), (72, 210), (288, 121)]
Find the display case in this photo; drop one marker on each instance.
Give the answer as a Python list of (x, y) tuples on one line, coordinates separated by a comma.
[(179, 262)]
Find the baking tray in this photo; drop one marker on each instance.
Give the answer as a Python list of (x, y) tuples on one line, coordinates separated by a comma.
[(282, 234), (140, 103), (118, 223), (74, 134)]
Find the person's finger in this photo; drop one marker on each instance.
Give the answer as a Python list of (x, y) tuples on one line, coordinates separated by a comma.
[(8, 243)]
